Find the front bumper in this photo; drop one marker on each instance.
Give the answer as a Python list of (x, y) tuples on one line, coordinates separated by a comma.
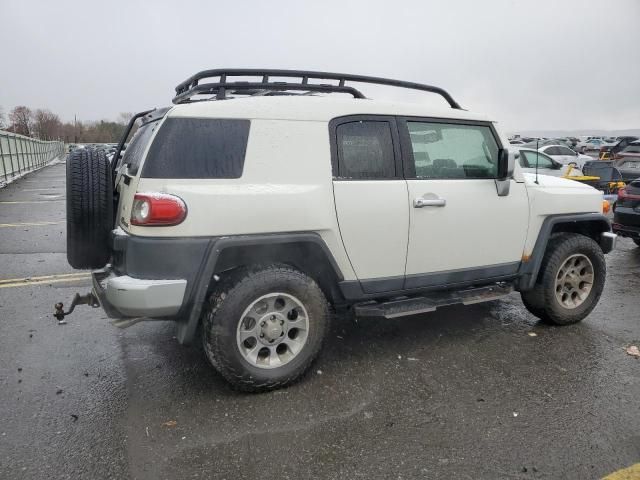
[(608, 241), (122, 296)]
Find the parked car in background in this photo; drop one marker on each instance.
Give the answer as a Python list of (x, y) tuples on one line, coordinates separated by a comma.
[(590, 145), (608, 152), (565, 155), (546, 165), (626, 212), (628, 161)]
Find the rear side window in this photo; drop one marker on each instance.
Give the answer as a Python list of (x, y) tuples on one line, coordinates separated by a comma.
[(133, 153), (198, 148), (365, 150)]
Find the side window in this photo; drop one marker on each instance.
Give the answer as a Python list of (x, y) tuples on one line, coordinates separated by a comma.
[(566, 151), (443, 151), (365, 150), (552, 151), (543, 160), (198, 148)]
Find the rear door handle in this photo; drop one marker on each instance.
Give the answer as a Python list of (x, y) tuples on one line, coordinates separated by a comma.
[(428, 202)]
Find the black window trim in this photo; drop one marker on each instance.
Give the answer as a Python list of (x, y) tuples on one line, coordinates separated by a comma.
[(407, 149), (333, 137)]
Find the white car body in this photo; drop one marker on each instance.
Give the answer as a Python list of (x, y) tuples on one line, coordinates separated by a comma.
[(527, 158), (246, 218), (565, 155), (294, 130)]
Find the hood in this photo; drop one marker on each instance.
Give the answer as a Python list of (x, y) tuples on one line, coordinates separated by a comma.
[(546, 181)]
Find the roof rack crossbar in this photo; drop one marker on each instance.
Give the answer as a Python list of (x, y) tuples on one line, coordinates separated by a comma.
[(191, 86), (220, 90)]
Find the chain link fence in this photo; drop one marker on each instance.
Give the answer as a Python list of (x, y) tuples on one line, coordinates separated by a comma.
[(20, 154)]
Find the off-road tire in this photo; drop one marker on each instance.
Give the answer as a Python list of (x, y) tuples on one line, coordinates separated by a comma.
[(541, 301), (89, 208), (225, 306)]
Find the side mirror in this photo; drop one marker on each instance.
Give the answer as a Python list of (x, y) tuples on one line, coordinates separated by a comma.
[(506, 164)]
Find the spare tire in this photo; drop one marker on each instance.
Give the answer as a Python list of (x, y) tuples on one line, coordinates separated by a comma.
[(89, 208)]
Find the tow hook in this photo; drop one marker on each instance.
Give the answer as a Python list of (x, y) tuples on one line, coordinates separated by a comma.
[(87, 299)]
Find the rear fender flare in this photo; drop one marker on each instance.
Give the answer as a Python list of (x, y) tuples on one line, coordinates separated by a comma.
[(215, 262)]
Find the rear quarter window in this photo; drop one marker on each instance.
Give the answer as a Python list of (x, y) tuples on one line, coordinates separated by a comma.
[(133, 153), (198, 148)]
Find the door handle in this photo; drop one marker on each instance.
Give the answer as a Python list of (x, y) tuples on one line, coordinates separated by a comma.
[(428, 202)]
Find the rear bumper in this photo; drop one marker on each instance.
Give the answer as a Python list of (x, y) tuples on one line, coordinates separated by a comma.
[(626, 231), (122, 296)]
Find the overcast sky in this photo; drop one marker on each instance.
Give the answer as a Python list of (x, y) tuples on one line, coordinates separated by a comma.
[(544, 64)]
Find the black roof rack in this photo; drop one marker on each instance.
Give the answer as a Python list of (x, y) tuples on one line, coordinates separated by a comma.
[(225, 86)]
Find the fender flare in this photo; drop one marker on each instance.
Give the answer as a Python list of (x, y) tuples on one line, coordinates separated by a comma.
[(529, 270), (188, 325)]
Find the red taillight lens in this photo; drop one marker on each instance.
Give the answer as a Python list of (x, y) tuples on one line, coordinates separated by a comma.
[(157, 209)]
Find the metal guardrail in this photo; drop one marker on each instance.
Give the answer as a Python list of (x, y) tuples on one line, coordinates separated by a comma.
[(20, 154)]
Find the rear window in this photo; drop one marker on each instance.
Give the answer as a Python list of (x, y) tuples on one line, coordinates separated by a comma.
[(198, 148)]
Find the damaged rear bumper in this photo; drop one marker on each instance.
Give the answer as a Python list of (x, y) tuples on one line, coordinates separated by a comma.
[(122, 296)]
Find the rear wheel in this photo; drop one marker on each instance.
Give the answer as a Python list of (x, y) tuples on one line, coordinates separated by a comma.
[(570, 281), (89, 208), (264, 326)]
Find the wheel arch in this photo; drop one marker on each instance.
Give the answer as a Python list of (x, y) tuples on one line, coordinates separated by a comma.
[(306, 252), (591, 225)]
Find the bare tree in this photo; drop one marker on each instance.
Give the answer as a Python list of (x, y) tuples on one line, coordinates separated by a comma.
[(3, 120), (21, 119), (46, 125), (124, 117)]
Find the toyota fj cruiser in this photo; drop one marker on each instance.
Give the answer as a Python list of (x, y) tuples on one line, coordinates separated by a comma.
[(262, 200)]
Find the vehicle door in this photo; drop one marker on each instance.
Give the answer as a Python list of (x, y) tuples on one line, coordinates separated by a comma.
[(461, 230), (371, 199)]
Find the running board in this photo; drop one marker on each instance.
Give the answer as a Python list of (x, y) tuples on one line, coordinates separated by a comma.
[(403, 306)]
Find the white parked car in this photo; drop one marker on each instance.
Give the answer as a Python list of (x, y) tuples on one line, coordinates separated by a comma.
[(565, 155), (247, 217), (527, 159)]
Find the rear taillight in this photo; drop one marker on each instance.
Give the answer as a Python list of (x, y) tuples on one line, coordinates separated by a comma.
[(157, 209)]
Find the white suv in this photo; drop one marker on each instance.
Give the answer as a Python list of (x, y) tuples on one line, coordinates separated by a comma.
[(260, 202)]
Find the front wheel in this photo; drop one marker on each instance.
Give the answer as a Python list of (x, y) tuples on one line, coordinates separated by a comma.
[(264, 326), (570, 281)]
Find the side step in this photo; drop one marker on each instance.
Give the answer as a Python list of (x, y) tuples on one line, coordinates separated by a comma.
[(402, 306)]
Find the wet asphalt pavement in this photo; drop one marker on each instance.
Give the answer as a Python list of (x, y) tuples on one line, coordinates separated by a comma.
[(462, 393)]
